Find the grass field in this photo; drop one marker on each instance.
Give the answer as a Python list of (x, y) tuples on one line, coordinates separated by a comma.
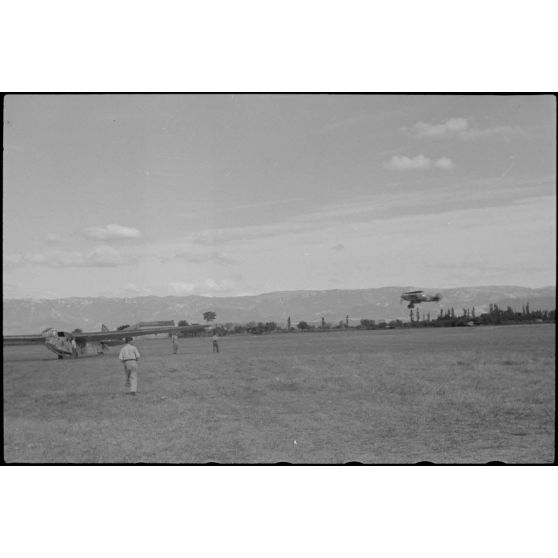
[(452, 395)]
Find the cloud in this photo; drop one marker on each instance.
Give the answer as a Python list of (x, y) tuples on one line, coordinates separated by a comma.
[(474, 133), (132, 288), (212, 237), (111, 232), (100, 256), (457, 127), (196, 257), (480, 193), (319, 225), (180, 288), (207, 287), (449, 128), (444, 163), (400, 162), (338, 248), (105, 256), (261, 204), (53, 237), (211, 286)]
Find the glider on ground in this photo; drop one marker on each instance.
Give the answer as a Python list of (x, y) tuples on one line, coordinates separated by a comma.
[(92, 343)]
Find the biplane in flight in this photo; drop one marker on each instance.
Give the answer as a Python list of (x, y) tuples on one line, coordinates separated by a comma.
[(416, 297), (92, 343)]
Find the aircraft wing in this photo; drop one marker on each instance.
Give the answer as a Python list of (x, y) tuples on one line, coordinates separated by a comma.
[(100, 336), (23, 339)]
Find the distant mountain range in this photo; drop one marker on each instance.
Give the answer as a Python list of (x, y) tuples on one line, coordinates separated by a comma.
[(33, 316)]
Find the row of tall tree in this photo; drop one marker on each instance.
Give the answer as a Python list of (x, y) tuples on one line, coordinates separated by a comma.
[(446, 318), (467, 317)]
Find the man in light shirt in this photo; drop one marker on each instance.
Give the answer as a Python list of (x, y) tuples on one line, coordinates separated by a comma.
[(130, 356), (174, 339), (74, 347)]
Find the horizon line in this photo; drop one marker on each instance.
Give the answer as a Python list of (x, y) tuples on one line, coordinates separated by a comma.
[(277, 292)]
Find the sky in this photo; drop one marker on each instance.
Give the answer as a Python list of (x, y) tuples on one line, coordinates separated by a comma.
[(227, 195)]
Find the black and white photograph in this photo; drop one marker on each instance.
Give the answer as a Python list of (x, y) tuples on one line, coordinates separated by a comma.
[(279, 279), (241, 278)]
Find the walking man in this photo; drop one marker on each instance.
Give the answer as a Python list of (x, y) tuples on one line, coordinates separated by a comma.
[(129, 355), (174, 338), (215, 342)]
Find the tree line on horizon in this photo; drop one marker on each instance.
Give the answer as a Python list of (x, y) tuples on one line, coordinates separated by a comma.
[(445, 318), (468, 317)]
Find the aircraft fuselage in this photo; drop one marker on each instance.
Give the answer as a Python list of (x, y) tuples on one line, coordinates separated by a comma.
[(416, 297), (60, 344)]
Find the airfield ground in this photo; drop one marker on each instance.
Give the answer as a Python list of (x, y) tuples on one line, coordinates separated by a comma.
[(449, 395)]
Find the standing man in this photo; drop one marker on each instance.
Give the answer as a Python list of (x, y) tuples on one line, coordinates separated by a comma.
[(130, 356), (215, 342), (174, 338), (74, 347)]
